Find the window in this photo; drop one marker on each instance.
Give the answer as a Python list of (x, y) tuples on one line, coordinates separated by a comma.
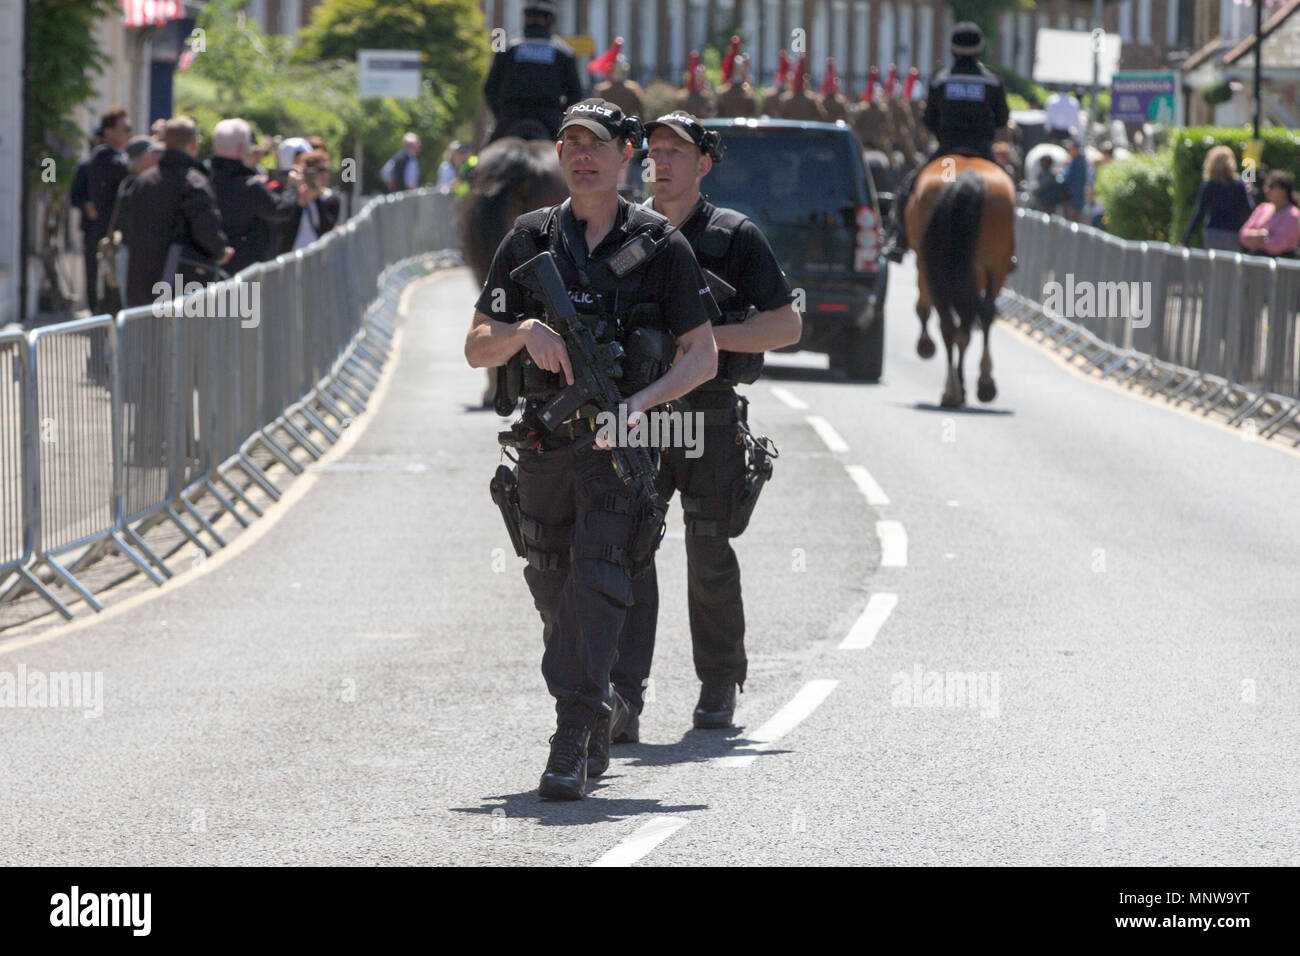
[(925, 42), (886, 38), (861, 46), (772, 39), (905, 41), (840, 41)]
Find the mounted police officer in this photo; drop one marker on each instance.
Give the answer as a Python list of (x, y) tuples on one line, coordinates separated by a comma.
[(964, 108), (634, 281), (533, 79), (719, 484)]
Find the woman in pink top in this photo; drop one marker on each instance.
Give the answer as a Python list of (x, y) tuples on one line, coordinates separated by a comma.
[(1274, 227)]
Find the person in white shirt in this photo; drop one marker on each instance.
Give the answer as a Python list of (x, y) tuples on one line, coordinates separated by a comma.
[(1063, 120)]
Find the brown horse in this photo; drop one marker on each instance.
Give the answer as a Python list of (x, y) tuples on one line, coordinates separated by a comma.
[(512, 177), (961, 222)]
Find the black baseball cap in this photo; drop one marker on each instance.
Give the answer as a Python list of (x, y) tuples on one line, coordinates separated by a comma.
[(603, 118), (688, 128)]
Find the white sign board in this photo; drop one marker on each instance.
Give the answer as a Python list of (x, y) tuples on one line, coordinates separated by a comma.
[(1065, 57), (394, 73)]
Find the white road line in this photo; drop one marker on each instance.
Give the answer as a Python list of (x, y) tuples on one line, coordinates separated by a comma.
[(789, 398), (645, 839), (785, 720), (868, 624), (893, 544), (828, 434), (867, 485)]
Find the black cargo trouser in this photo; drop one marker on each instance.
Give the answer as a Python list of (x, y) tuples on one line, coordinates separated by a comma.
[(577, 522), (717, 613)]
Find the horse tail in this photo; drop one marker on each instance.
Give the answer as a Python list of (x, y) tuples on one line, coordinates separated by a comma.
[(948, 246), (506, 172)]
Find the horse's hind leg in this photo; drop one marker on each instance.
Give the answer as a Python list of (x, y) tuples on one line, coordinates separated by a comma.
[(988, 389), (952, 389), (925, 344), (963, 342)]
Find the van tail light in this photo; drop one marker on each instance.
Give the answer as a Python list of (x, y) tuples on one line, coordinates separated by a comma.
[(866, 248)]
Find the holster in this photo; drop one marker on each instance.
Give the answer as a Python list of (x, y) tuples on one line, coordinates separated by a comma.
[(505, 492), (648, 526), (759, 453)]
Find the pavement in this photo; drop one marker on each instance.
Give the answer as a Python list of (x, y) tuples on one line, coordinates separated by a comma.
[(1054, 629)]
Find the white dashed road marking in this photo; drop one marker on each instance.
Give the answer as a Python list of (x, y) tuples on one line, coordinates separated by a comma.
[(828, 434), (645, 839), (875, 495), (785, 720), (789, 398), (868, 625), (893, 544)]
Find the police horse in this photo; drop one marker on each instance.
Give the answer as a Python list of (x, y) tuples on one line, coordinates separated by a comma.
[(513, 176), (960, 219)]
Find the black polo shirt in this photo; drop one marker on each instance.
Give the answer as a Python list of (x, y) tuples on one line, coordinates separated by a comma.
[(747, 262)]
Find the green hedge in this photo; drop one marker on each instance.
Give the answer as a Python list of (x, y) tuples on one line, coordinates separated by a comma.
[(1190, 144), (1136, 194)]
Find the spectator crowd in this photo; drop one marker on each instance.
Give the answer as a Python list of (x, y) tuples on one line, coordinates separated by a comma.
[(152, 212)]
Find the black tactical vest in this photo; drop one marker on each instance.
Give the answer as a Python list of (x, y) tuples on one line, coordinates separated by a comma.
[(623, 309)]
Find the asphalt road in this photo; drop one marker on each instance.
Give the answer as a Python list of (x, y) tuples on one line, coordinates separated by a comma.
[(1070, 610)]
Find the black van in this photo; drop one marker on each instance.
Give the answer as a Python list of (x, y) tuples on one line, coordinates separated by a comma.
[(807, 188)]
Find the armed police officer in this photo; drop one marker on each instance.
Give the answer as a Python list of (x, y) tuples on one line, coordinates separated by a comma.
[(964, 108), (720, 485), (640, 300), (533, 79)]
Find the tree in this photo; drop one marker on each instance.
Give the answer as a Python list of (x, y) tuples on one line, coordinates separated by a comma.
[(62, 59), (244, 72), (450, 35)]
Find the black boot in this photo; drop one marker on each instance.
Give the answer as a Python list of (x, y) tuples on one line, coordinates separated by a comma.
[(607, 727), (565, 777), (717, 705), (631, 731)]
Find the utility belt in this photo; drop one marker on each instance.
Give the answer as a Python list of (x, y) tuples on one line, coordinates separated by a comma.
[(528, 434)]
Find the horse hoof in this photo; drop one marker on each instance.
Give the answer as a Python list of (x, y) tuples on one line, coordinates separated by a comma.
[(987, 391), (925, 348), (950, 401)]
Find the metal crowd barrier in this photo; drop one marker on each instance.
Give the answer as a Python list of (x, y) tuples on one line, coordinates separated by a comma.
[(112, 425), (1219, 331)]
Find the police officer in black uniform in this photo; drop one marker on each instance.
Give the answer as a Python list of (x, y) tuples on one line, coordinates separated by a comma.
[(533, 79), (719, 485), (964, 108), (575, 512)]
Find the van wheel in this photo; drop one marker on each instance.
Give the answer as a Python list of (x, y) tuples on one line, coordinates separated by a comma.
[(866, 351)]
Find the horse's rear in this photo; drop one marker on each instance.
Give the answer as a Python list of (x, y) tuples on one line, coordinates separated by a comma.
[(961, 222), (513, 176)]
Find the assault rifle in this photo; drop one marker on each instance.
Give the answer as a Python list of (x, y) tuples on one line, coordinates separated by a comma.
[(595, 367)]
